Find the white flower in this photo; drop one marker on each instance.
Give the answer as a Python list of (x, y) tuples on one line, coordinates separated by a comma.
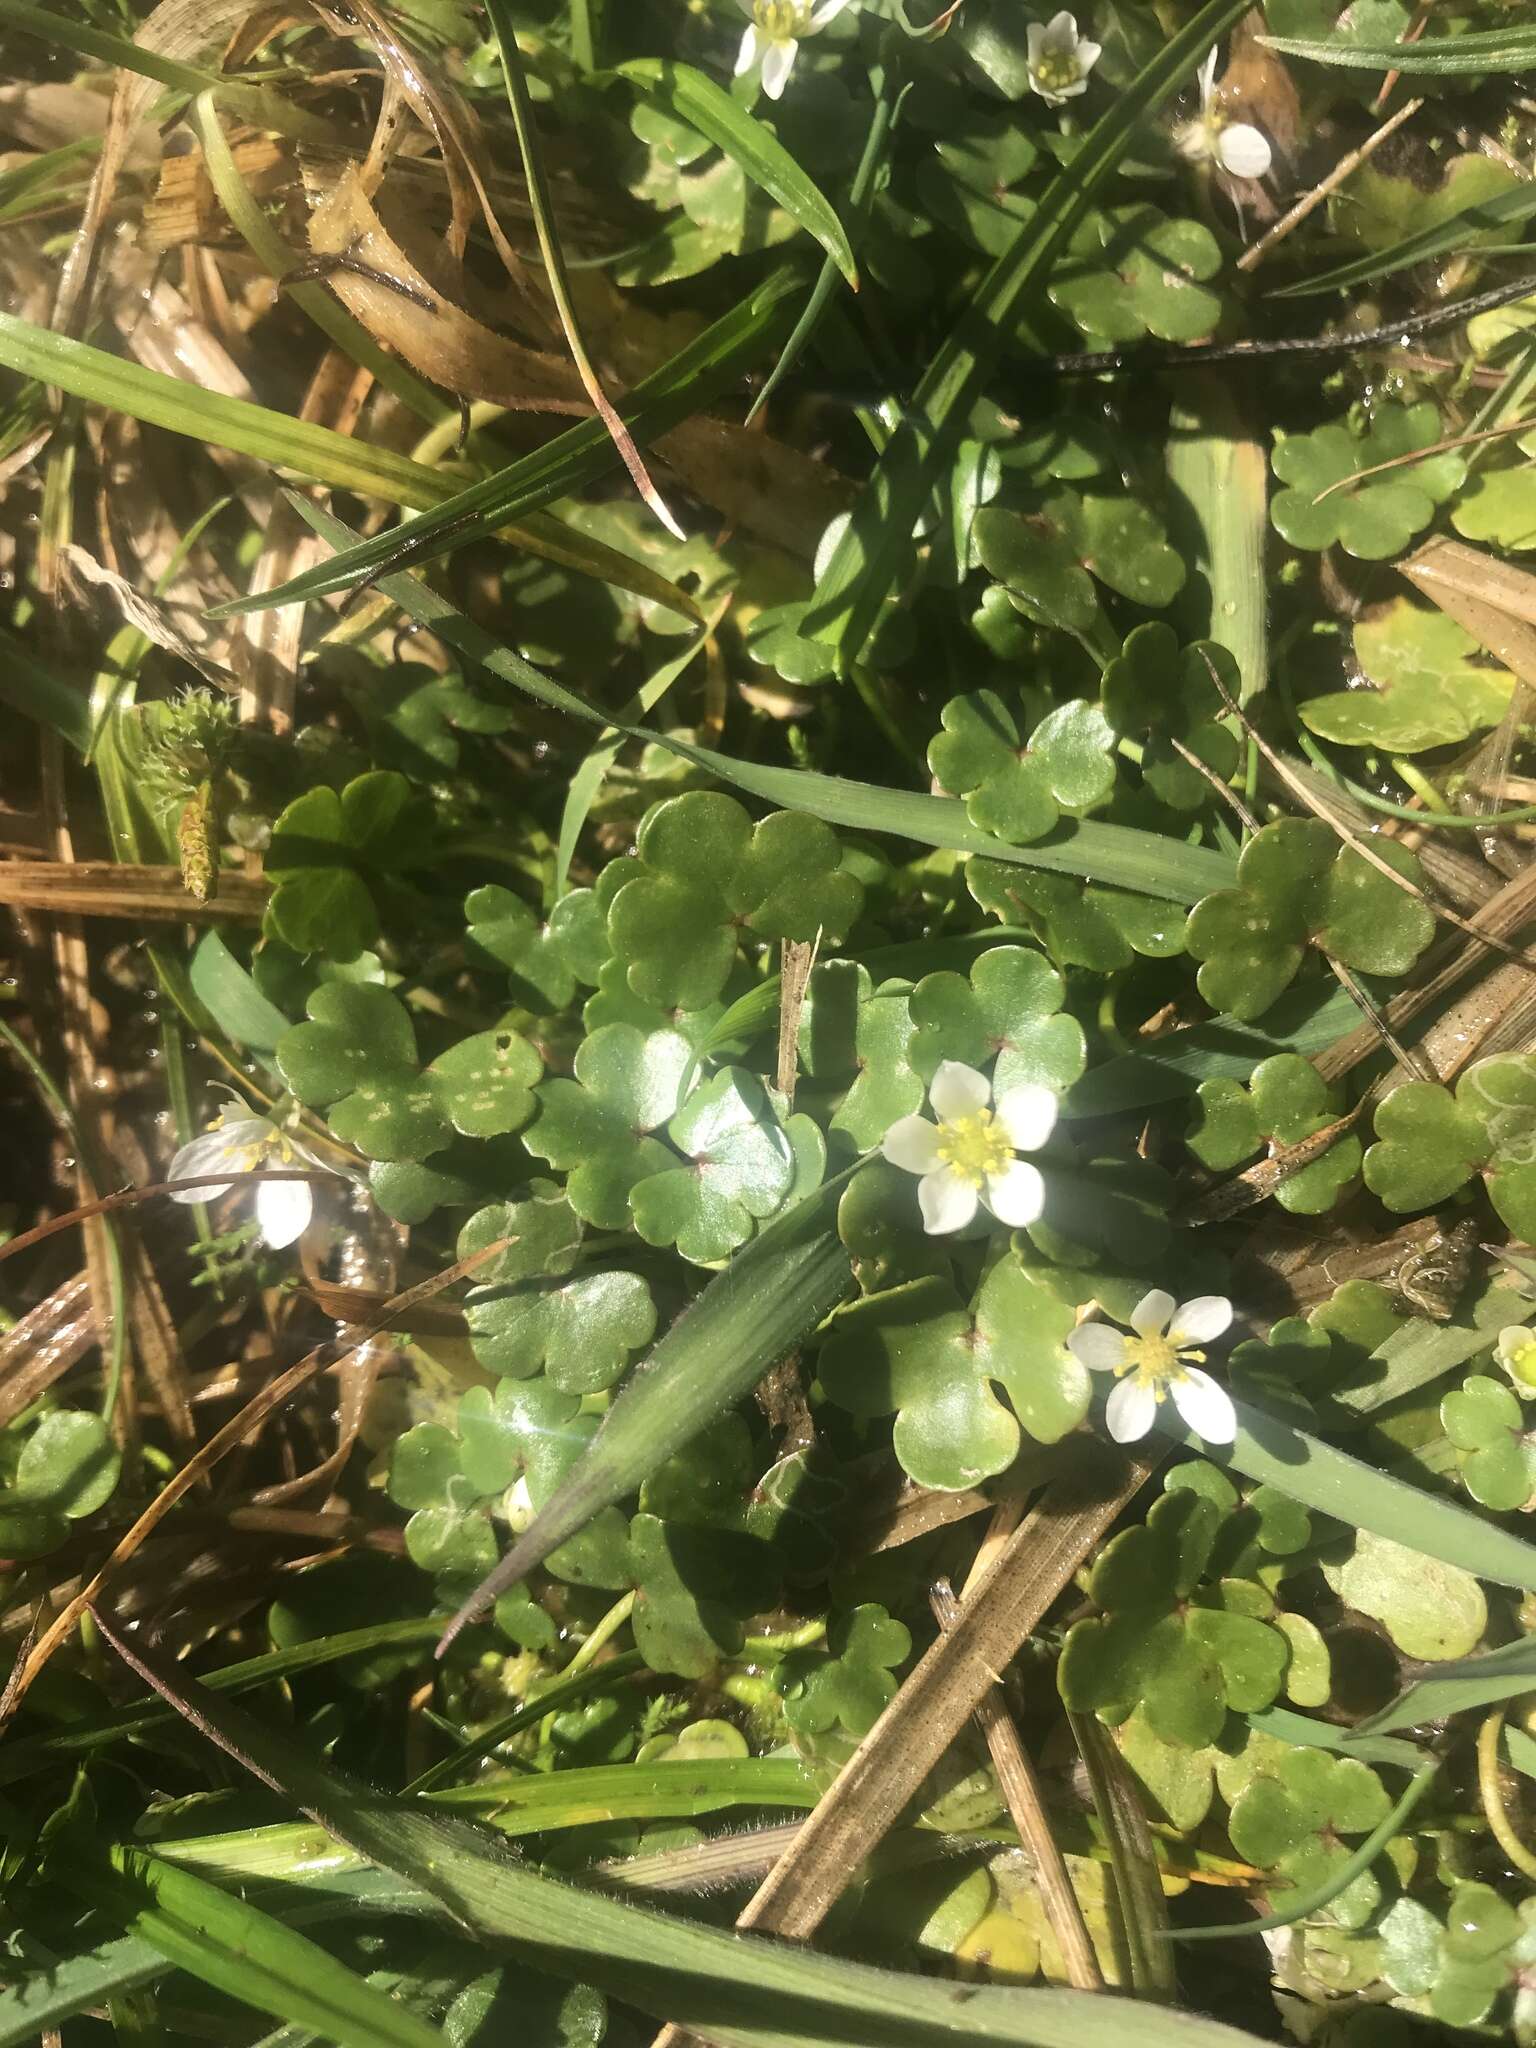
[(967, 1157), (1151, 1364), (778, 27), (1516, 1352), (1060, 59), (242, 1144), (1242, 150)]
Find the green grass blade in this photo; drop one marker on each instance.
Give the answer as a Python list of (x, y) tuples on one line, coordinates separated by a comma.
[(312, 451), (1304, 1733), (256, 104), (1446, 237), (1453, 1688), (868, 559), (39, 694), (541, 1803), (1469, 56), (778, 1287), (1276, 1453), (23, 1755), (31, 2003), (684, 94), (249, 1955), (581, 791), (736, 1988), (571, 461), (1147, 862)]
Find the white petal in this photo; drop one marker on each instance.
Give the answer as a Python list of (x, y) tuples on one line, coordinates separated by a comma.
[(1204, 1405), (746, 56), (1034, 37), (1201, 1321), (1129, 1411), (209, 1153), (1150, 1316), (1244, 151), (1207, 77), (1061, 31), (947, 1200), (1028, 1115), (1069, 92), (778, 62), (283, 1209), (912, 1143), (1016, 1195), (957, 1091), (829, 10), (1088, 54), (1097, 1346)]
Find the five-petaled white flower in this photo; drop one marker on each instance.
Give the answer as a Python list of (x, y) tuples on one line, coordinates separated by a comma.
[(242, 1144), (1240, 149), (1516, 1352), (777, 31), (1152, 1364), (1060, 59), (968, 1156)]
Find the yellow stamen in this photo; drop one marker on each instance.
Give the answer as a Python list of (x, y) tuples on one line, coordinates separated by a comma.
[(1057, 69), (1156, 1361), (975, 1147), (781, 21)]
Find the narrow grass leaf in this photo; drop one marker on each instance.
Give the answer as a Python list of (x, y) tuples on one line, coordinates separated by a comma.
[(1276, 1453), (686, 95), (249, 1955), (778, 1287), (37, 693), (1454, 1688), (1304, 1733), (1468, 56), (566, 464), (1162, 1070), (1446, 237), (257, 104), (868, 559), (1147, 862), (312, 451), (736, 1988)]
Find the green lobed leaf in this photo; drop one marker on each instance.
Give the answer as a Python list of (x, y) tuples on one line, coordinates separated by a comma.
[(687, 95)]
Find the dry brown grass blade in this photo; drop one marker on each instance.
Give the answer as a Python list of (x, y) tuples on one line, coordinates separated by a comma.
[(1345, 168), (762, 484), (1020, 1788), (189, 30), (43, 1344), (1494, 601), (943, 1691), (201, 1463), (796, 959), (101, 888)]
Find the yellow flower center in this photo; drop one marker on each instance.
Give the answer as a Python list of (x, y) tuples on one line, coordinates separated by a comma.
[(1156, 1361), (781, 21), (975, 1147), (1057, 69), (1522, 1363)]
